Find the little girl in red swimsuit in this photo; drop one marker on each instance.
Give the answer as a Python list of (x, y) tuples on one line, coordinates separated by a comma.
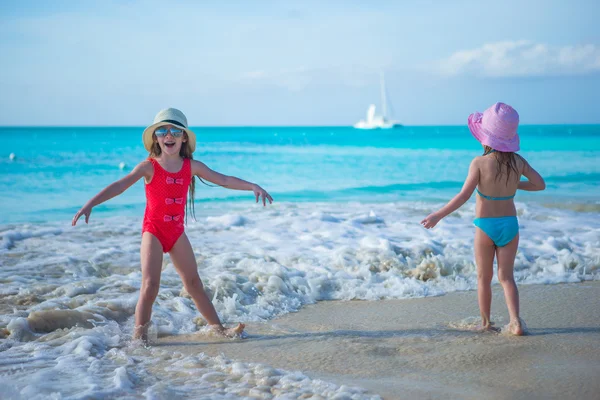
[(168, 173)]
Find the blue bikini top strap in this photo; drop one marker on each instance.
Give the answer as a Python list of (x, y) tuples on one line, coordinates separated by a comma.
[(494, 198)]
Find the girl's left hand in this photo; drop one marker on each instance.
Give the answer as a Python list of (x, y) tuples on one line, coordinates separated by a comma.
[(262, 193), (431, 220)]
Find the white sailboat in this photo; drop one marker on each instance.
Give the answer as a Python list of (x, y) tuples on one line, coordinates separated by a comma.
[(374, 121)]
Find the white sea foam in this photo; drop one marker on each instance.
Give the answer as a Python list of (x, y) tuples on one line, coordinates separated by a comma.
[(10, 236), (256, 263), (99, 363)]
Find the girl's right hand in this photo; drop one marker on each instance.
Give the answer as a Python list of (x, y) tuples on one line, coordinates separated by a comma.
[(85, 210)]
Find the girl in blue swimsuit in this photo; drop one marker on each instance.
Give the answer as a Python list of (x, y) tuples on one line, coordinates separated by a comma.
[(496, 177)]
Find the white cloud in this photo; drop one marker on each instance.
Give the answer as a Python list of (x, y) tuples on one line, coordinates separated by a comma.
[(522, 58)]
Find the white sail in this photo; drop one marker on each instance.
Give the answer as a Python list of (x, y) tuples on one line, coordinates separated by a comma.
[(371, 113), (382, 90), (374, 121)]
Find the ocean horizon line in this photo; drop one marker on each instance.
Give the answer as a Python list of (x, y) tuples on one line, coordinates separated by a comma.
[(280, 126)]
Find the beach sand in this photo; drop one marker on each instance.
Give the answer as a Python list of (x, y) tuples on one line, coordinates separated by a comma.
[(424, 348)]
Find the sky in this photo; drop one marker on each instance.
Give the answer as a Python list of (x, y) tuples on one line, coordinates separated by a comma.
[(278, 63)]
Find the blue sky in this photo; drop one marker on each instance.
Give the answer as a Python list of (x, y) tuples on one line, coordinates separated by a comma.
[(296, 62)]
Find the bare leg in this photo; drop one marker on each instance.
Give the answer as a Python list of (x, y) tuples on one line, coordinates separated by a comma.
[(506, 262), (184, 260), (151, 258), (484, 257)]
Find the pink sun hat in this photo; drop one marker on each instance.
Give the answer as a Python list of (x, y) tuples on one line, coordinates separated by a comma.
[(496, 127)]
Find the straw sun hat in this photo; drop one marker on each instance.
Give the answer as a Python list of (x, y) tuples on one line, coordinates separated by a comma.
[(169, 116)]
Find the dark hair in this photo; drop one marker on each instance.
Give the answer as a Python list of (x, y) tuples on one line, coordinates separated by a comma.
[(503, 158)]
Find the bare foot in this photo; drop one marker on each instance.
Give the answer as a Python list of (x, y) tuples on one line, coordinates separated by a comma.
[(229, 332), (487, 327), (516, 328), (140, 332)]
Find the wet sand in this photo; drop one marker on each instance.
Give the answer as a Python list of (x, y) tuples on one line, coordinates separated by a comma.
[(424, 348)]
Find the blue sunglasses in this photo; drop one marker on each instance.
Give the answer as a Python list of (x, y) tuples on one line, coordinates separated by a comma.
[(162, 132)]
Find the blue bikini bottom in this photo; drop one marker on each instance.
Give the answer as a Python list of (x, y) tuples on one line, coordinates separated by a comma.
[(501, 229)]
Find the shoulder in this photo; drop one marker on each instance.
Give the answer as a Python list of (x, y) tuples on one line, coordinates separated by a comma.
[(476, 162), (197, 166), (521, 161), (145, 168), (519, 157), (145, 165), (473, 169)]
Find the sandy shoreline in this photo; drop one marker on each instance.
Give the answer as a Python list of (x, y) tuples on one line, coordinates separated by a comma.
[(422, 348)]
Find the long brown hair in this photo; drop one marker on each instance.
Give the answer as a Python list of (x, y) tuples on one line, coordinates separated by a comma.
[(504, 158), (184, 152)]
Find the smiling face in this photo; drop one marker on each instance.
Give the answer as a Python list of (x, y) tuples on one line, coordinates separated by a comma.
[(171, 142)]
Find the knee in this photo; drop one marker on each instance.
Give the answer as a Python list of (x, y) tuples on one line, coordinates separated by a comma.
[(193, 283), (149, 290), (484, 277), (505, 277)]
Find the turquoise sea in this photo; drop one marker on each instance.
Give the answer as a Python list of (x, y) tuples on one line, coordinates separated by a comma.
[(57, 169)]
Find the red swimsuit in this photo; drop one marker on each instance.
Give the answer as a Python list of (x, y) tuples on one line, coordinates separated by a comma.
[(165, 203)]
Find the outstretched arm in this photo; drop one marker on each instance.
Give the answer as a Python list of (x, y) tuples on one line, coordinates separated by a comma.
[(534, 180), (461, 198), (230, 182), (114, 189)]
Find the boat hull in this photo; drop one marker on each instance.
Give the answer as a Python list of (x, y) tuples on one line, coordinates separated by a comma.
[(366, 126)]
